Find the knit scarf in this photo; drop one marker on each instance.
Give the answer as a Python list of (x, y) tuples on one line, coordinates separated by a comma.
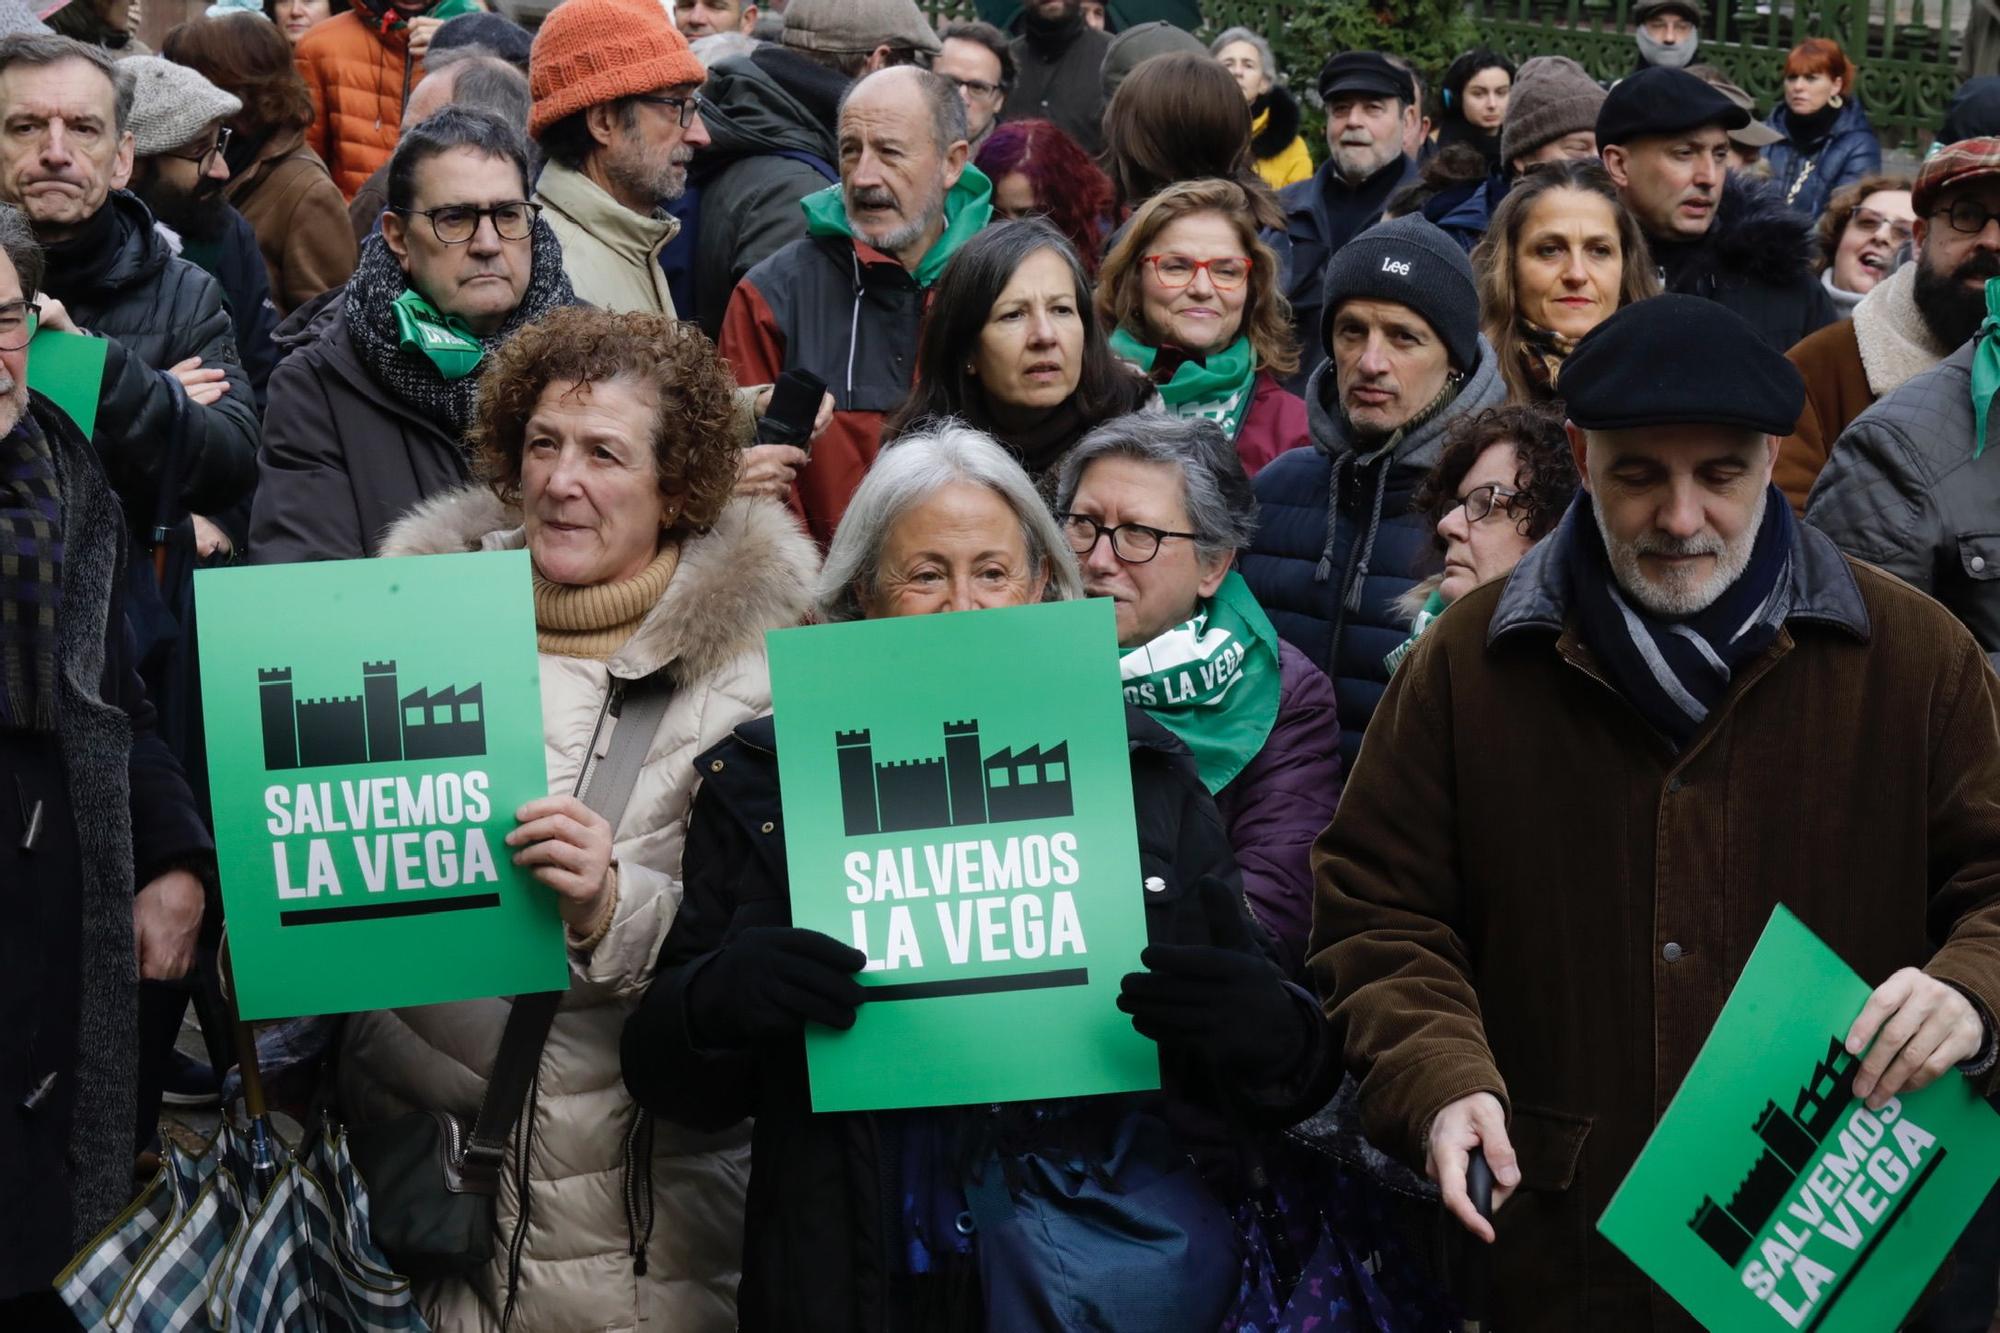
[(31, 557), (1985, 366), (1678, 56), (375, 323), (1543, 352), (1676, 671), (1213, 681), (1217, 388), (595, 620)]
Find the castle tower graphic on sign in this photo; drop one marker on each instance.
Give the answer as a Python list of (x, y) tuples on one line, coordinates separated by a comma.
[(1789, 1141), (378, 726), (959, 788)]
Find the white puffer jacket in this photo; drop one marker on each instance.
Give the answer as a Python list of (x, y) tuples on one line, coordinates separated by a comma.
[(575, 1259)]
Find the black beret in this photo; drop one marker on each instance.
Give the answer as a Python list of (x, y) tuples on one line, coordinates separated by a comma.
[(1680, 360), (1368, 72), (1658, 100)]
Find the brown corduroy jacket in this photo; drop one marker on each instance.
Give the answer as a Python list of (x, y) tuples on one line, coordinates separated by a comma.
[(1527, 891), (300, 219), (1836, 392)]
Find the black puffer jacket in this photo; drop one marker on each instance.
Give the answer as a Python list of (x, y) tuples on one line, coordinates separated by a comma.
[(1756, 260), (1331, 582), (125, 284), (820, 1234), (343, 458)]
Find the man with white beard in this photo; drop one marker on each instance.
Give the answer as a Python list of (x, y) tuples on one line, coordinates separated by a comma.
[(1371, 105), (1588, 787)]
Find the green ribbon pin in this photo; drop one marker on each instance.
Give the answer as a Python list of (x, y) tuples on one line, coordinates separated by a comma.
[(442, 339)]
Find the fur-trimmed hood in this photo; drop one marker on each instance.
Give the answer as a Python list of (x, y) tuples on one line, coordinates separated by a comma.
[(1280, 113), (1756, 235), (752, 571)]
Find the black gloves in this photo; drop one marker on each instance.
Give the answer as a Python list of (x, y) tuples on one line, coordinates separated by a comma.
[(769, 982), (1223, 1001)]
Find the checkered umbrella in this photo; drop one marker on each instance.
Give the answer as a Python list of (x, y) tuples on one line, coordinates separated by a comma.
[(249, 1235)]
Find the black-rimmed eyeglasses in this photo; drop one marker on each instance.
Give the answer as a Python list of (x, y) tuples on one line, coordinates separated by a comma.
[(687, 108), (1483, 500), (218, 148), (976, 87), (1968, 216), (18, 322), (455, 224), (1134, 543)]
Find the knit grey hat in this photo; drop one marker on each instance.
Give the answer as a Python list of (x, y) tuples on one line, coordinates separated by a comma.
[(171, 103), (1552, 96), (849, 27), (1409, 261)]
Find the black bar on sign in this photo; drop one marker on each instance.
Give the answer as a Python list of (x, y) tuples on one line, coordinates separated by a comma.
[(930, 990), (316, 916)]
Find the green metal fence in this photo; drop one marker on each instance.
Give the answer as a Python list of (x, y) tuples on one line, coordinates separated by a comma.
[(1904, 51)]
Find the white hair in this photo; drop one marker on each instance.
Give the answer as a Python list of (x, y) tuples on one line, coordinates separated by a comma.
[(911, 471)]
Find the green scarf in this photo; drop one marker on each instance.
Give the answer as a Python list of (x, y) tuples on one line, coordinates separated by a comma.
[(1433, 608), (1213, 682), (968, 207), (1219, 389), (444, 340), (1985, 366)]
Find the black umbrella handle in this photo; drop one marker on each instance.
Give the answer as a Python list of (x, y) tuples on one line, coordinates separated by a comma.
[(1476, 1277)]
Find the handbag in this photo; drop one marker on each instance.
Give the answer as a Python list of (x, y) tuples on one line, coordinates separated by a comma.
[(432, 1179)]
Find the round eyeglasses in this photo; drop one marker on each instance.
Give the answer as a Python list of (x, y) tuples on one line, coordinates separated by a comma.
[(1178, 270), (1483, 500), (455, 224)]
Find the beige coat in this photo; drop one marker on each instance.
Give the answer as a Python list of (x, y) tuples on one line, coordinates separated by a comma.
[(612, 255), (577, 1271)]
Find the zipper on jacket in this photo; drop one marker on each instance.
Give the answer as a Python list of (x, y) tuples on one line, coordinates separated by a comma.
[(639, 1188), (614, 703)]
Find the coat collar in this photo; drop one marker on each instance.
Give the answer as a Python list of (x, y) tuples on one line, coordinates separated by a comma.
[(752, 571), (1537, 593), (1890, 334), (637, 237)]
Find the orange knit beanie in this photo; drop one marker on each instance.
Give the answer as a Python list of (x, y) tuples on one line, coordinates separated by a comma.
[(592, 51)]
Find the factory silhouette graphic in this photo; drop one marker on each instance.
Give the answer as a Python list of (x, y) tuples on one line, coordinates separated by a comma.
[(959, 788), (380, 725), (1791, 1140)]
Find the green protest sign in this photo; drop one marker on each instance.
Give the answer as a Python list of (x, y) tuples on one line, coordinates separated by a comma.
[(961, 811), (68, 370), (372, 727), (1770, 1197)]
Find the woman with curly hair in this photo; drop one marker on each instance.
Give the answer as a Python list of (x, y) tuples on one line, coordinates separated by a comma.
[(1192, 298), (278, 184), (1864, 227), (1037, 170), (1501, 484), (602, 446)]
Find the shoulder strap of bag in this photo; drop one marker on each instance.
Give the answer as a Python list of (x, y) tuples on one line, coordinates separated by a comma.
[(636, 712)]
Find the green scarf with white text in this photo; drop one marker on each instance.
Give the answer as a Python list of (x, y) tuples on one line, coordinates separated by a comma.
[(1213, 681), (968, 207), (1217, 389)]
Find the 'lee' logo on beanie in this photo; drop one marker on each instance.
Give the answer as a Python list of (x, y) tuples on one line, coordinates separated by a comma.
[(1412, 263), (1399, 267)]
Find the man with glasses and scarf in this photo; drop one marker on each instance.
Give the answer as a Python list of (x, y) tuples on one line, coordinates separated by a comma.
[(1913, 319)]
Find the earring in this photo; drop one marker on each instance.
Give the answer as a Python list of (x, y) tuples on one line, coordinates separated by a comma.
[(1834, 101)]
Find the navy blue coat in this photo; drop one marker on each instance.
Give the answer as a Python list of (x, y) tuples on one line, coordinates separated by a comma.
[(1377, 548), (1806, 179), (1321, 215)]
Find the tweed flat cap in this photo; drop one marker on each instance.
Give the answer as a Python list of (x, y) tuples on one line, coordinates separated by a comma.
[(1680, 360), (1968, 159), (171, 104)]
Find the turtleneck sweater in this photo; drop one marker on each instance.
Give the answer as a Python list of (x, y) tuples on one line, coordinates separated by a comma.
[(595, 620)]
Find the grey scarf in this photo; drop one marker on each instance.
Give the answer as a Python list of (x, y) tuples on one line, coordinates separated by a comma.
[(1678, 56)]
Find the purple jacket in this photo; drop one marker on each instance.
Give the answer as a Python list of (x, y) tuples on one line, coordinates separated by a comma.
[(1279, 805)]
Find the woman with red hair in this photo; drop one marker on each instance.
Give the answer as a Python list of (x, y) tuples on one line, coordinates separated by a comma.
[(1037, 170), (1828, 141)]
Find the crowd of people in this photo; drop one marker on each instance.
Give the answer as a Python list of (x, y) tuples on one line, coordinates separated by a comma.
[(1534, 444)]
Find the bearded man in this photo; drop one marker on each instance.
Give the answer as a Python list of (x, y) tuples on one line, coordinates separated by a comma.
[(1371, 107), (1912, 320), (875, 243), (1727, 713)]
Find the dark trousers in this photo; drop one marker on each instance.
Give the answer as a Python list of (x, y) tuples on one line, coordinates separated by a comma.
[(37, 1312)]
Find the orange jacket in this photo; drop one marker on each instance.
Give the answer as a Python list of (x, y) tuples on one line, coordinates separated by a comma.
[(359, 80)]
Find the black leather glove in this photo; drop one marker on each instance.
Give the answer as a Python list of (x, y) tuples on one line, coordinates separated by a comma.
[(1224, 1001), (769, 982)]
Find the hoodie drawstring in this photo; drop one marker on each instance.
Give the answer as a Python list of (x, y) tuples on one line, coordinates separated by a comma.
[(1324, 570), (1357, 570)]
